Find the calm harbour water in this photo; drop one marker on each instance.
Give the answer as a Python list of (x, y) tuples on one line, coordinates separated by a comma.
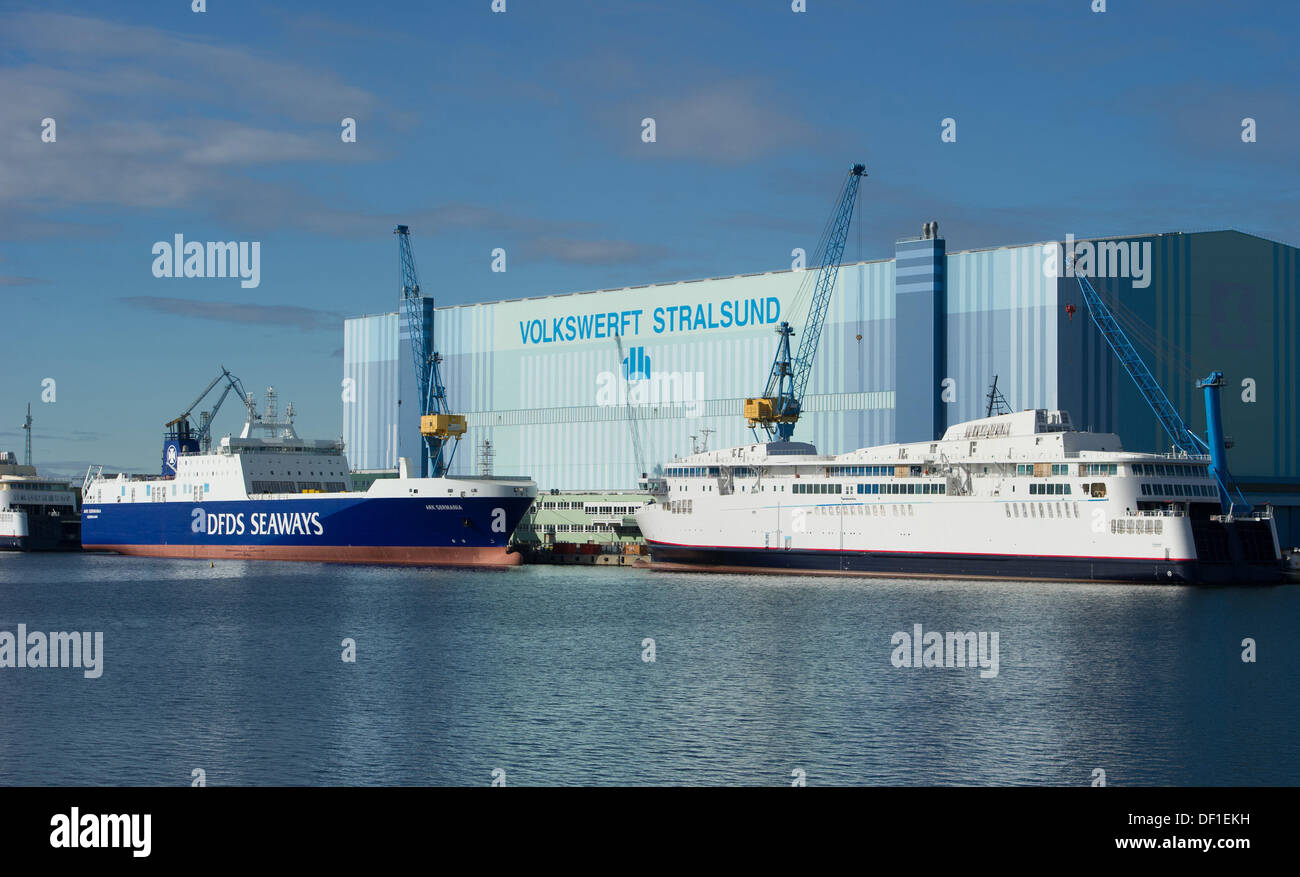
[(236, 669)]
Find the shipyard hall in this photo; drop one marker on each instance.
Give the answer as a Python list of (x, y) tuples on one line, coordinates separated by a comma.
[(589, 391)]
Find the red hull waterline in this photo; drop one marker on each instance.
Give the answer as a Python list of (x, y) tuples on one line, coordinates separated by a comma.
[(389, 555)]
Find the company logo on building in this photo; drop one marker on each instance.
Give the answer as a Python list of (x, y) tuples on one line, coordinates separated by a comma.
[(664, 320), (1099, 259), (636, 365)]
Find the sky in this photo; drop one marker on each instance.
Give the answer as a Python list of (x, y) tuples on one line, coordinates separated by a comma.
[(522, 130)]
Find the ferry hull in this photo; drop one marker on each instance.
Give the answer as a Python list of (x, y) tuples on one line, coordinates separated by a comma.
[(388, 555), (1003, 567), (432, 531), (30, 533)]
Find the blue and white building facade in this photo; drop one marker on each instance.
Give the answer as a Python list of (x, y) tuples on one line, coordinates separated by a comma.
[(561, 384)]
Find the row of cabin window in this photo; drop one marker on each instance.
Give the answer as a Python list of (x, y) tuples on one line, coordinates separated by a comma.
[(864, 471), (1049, 489), (1057, 469), (923, 488), (1064, 469), (1170, 470), (1179, 490), (815, 488), (890, 488)]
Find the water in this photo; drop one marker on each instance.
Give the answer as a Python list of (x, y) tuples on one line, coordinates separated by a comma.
[(236, 669)]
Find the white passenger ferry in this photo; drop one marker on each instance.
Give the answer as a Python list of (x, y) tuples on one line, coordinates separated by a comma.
[(36, 514), (1012, 496)]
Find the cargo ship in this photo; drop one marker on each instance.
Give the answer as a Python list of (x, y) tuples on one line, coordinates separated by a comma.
[(282, 497), (36, 514), (1018, 495)]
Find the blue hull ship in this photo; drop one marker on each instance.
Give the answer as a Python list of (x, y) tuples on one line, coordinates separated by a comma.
[(286, 498)]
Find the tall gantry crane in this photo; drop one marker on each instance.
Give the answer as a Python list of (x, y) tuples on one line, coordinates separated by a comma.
[(438, 426), (1186, 441), (778, 409)]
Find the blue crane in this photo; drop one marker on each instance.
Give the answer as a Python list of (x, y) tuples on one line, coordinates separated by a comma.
[(438, 426), (1214, 445), (778, 409)]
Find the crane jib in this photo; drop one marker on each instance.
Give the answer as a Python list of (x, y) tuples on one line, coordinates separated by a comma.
[(778, 409)]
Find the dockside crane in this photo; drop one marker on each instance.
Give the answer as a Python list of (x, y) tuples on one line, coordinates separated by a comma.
[(438, 426), (1213, 445), (777, 410)]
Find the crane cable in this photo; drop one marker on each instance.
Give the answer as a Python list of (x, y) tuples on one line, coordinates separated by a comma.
[(1176, 357), (803, 295)]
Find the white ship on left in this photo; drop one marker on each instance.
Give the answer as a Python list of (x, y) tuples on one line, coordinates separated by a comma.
[(36, 514)]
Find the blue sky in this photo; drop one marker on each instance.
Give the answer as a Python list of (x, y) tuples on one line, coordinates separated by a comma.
[(522, 130)]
